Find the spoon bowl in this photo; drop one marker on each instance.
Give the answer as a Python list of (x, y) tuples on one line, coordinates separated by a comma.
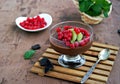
[(47, 18), (104, 54)]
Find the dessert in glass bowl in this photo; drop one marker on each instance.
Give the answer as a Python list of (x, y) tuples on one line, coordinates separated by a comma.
[(70, 39)]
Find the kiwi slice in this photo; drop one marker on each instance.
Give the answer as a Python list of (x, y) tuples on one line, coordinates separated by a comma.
[(74, 36), (79, 37)]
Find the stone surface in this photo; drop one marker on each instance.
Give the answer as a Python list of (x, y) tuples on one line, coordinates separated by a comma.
[(14, 42)]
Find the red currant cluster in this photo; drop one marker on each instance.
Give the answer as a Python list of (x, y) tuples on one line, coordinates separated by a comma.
[(33, 23), (65, 35), (73, 36)]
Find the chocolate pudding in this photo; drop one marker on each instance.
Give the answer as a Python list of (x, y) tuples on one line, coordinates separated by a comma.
[(60, 47)]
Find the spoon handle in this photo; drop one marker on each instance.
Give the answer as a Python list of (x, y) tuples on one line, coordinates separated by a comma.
[(86, 76)]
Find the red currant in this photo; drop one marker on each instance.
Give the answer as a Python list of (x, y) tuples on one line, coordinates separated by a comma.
[(77, 30), (82, 43), (72, 45)]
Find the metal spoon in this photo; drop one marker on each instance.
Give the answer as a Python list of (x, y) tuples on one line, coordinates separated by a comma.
[(103, 55)]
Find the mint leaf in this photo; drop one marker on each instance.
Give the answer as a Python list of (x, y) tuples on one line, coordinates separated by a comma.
[(28, 54), (106, 9), (105, 13), (94, 7), (91, 13), (85, 5), (97, 9), (80, 1)]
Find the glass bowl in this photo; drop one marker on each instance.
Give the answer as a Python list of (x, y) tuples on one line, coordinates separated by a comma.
[(70, 57)]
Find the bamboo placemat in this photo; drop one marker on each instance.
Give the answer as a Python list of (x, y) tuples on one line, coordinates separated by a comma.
[(99, 75)]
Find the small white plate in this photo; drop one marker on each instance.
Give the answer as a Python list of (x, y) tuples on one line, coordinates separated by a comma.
[(47, 18)]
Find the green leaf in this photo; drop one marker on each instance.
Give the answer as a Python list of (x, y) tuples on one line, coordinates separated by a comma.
[(83, 8), (97, 9), (106, 3), (105, 13), (85, 5), (80, 1), (94, 7), (28, 54), (91, 13), (93, 0), (106, 9)]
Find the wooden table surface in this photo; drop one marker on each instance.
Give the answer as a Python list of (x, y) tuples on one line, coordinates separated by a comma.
[(14, 41)]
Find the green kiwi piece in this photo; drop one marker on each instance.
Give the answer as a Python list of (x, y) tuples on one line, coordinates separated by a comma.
[(74, 36), (79, 37)]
